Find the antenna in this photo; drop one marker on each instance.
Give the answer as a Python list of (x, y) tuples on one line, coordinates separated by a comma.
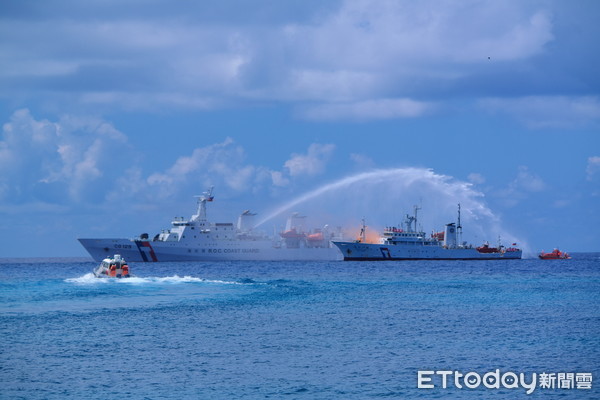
[(410, 219), (417, 208), (363, 231), (459, 227)]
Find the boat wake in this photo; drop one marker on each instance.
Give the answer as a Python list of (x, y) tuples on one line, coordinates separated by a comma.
[(90, 279)]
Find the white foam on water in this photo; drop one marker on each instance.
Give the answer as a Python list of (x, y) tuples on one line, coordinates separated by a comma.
[(180, 279), (90, 279), (86, 279)]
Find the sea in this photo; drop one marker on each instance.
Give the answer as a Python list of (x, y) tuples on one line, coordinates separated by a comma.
[(302, 330)]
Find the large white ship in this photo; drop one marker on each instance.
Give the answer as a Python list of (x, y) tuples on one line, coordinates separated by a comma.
[(198, 239), (408, 243)]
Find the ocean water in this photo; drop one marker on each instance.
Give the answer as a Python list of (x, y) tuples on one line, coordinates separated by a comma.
[(296, 330)]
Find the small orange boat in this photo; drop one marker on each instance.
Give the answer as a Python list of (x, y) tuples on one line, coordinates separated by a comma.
[(115, 267), (485, 248), (556, 254)]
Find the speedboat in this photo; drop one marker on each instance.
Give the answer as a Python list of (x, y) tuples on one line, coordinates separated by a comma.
[(556, 254), (112, 267)]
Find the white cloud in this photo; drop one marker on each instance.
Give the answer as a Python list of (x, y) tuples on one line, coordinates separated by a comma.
[(367, 110), (352, 59), (368, 34), (548, 111), (476, 178), (150, 101), (562, 203), (42, 159), (528, 181), (216, 163), (129, 184), (593, 168), (224, 166), (87, 161), (362, 57), (311, 163), (279, 179), (336, 85), (524, 184), (362, 161)]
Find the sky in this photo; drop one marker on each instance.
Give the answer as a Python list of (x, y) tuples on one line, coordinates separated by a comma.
[(115, 114)]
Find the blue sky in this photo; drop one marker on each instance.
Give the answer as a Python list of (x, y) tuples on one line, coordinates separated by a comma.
[(114, 114)]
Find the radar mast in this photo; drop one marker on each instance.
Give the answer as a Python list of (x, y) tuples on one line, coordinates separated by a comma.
[(459, 228), (363, 231), (202, 199), (410, 219)]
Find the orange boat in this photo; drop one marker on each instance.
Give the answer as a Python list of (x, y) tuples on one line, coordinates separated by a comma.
[(485, 248), (556, 254), (115, 267)]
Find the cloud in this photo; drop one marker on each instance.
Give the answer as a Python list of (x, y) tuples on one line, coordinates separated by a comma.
[(73, 158), (374, 59), (362, 161), (367, 110), (224, 165), (524, 184), (122, 62), (367, 34), (369, 59), (279, 179), (593, 168), (86, 161), (539, 112), (312, 163), (476, 178), (562, 203), (147, 102), (528, 181), (221, 163)]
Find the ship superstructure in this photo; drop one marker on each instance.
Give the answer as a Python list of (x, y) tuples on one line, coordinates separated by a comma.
[(198, 239), (408, 242)]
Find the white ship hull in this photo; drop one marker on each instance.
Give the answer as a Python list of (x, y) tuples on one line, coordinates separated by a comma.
[(197, 239), (409, 243), (155, 251), (373, 252)]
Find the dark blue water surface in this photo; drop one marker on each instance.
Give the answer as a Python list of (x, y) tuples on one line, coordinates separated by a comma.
[(297, 330)]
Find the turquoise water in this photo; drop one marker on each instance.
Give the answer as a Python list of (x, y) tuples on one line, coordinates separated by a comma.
[(318, 330)]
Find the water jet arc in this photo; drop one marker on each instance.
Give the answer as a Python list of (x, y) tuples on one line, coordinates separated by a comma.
[(373, 176)]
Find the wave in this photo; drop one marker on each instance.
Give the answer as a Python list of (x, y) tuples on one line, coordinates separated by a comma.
[(90, 279)]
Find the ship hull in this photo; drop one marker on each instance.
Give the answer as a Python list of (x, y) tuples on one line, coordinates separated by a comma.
[(160, 251), (356, 251)]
